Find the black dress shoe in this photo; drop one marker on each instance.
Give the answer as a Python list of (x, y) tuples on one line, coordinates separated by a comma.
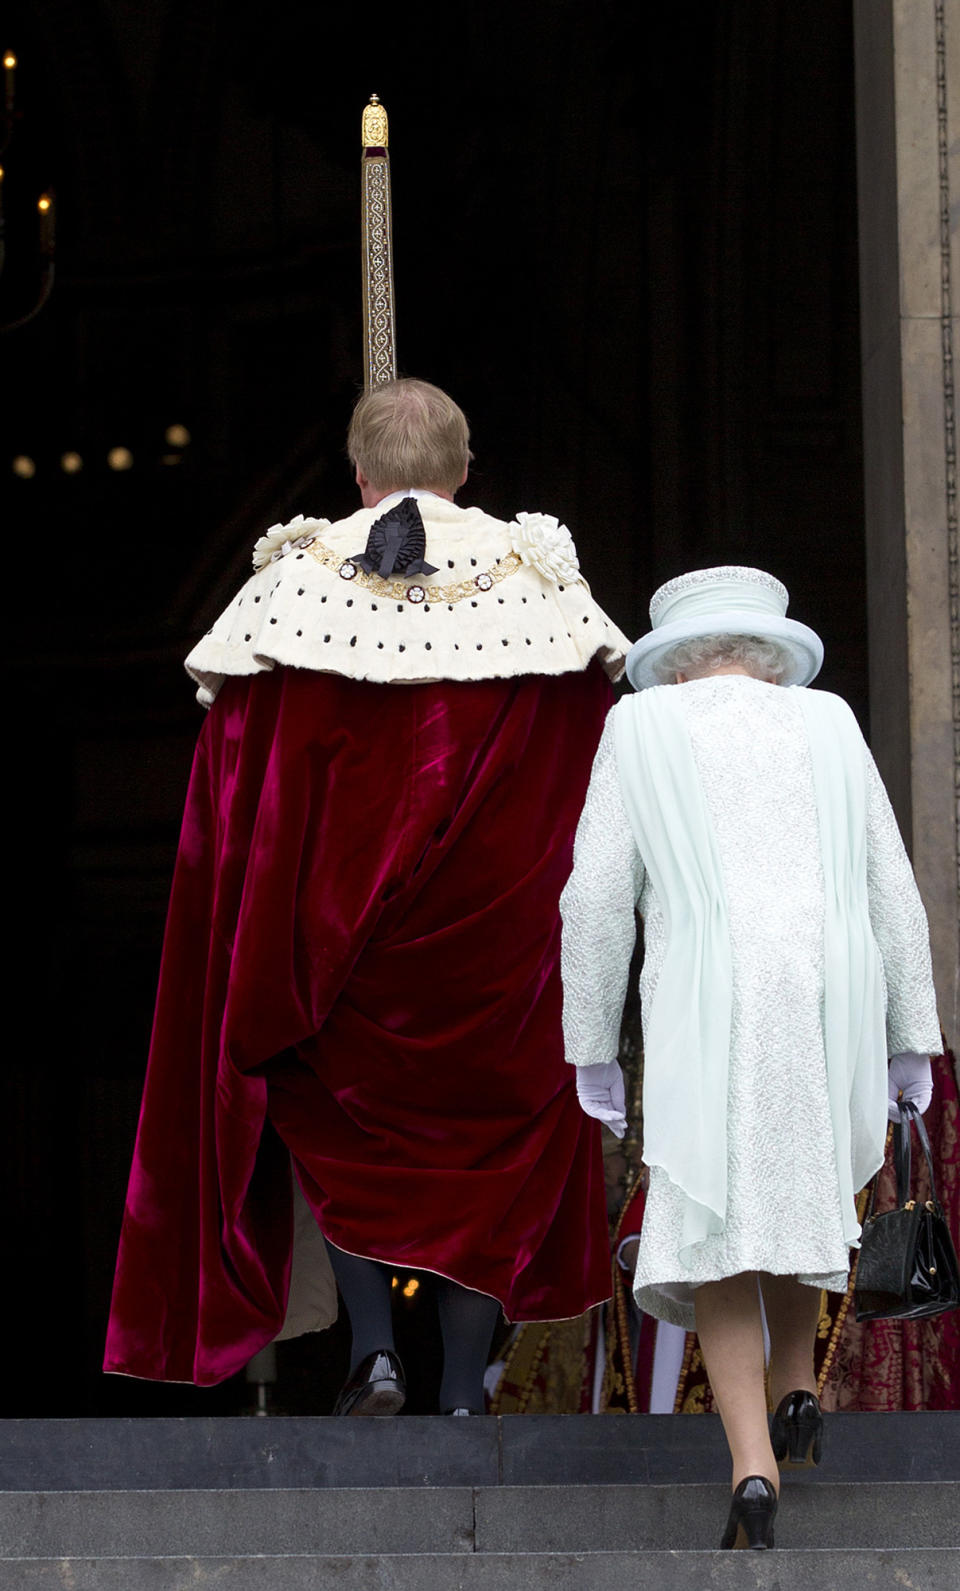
[(461, 1410), (796, 1431), (376, 1386), (752, 1509)]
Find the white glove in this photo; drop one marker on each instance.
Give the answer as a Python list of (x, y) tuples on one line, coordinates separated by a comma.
[(600, 1092), (627, 1261), (909, 1075)]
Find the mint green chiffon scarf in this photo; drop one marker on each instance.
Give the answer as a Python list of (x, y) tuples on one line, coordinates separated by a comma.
[(687, 1027)]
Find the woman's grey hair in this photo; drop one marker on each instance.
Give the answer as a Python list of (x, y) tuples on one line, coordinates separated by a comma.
[(696, 658)]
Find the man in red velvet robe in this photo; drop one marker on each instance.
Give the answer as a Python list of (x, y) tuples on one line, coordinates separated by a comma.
[(359, 1002)]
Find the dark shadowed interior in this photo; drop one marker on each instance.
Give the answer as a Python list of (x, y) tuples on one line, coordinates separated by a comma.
[(625, 241)]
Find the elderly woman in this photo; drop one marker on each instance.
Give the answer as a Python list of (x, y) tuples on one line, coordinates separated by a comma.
[(786, 958)]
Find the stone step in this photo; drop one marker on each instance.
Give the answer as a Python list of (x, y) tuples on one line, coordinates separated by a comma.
[(907, 1569), (529, 1449), (463, 1520)]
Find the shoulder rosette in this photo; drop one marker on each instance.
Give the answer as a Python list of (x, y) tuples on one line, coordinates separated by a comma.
[(280, 540), (540, 541)]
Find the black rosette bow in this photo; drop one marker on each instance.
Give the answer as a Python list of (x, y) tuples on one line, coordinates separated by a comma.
[(396, 543)]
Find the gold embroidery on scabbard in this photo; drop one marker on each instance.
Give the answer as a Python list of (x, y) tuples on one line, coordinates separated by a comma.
[(378, 307), (398, 589), (380, 353), (614, 1380), (843, 1308), (521, 1370), (690, 1352)]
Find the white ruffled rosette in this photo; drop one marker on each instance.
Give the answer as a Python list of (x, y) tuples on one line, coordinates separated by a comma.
[(547, 546), (280, 540)]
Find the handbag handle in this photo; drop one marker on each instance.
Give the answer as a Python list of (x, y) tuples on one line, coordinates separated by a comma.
[(902, 1158), (913, 1115)]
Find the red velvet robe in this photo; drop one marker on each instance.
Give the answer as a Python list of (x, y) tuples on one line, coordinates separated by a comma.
[(361, 972)]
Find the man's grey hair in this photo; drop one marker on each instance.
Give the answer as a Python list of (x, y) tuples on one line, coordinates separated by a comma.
[(409, 433), (699, 657)]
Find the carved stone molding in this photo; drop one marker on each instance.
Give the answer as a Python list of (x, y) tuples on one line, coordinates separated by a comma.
[(908, 83), (949, 410)]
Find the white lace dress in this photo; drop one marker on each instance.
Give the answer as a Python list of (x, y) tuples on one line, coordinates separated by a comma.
[(783, 1206)]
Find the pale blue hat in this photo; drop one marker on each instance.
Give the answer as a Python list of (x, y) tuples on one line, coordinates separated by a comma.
[(730, 600)]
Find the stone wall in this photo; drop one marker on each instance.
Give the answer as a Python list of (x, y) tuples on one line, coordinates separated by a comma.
[(908, 122)]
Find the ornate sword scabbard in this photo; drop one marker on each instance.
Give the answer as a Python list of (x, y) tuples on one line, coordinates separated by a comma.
[(379, 347)]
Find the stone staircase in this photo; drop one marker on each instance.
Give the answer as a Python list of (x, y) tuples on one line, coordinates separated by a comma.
[(573, 1503)]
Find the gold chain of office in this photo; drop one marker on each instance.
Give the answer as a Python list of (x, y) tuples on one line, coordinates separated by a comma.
[(403, 590)]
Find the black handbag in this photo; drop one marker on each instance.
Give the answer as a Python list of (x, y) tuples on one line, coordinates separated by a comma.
[(907, 1268)]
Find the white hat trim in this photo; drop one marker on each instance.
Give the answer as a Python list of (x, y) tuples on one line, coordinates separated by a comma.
[(803, 646)]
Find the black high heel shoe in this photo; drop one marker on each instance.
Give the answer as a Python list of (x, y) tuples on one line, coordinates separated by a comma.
[(752, 1510), (796, 1431)]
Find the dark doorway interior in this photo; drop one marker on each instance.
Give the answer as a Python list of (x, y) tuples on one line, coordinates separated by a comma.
[(625, 240)]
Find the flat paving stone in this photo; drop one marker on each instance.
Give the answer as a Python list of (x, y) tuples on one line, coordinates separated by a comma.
[(538, 1449), (279, 1451), (528, 1449), (236, 1523), (804, 1570), (631, 1518), (445, 1519)]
